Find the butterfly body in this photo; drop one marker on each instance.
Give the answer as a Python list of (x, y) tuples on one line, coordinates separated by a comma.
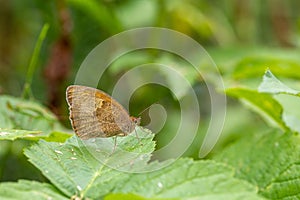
[(93, 113)]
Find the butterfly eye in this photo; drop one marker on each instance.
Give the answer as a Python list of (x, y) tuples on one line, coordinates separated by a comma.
[(137, 121)]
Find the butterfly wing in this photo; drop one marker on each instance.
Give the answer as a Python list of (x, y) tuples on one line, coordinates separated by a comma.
[(94, 113)]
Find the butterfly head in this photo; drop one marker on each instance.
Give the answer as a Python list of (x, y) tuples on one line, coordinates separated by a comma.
[(136, 120)]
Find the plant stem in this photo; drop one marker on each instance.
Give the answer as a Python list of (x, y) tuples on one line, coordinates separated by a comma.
[(33, 62)]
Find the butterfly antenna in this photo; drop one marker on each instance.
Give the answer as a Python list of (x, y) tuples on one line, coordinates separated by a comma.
[(146, 108)]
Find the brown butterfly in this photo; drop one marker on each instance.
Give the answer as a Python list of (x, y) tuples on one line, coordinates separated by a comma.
[(94, 113)]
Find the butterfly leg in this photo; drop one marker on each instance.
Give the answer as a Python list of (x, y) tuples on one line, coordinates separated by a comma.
[(137, 136), (115, 145)]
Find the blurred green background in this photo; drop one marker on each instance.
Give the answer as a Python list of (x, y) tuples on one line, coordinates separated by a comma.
[(242, 36)]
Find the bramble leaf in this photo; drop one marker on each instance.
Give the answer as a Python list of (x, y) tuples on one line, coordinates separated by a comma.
[(90, 169), (286, 96), (185, 178), (28, 120), (264, 104), (270, 161), (12, 134), (272, 85), (24, 190), (82, 167)]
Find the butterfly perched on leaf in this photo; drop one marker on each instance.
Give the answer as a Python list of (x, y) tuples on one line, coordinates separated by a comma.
[(93, 113)]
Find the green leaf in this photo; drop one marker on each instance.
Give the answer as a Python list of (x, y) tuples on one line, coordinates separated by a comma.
[(24, 114), (99, 12), (264, 104), (292, 122), (133, 197), (24, 190), (10, 134), (82, 167), (186, 178), (13, 134), (270, 161), (24, 119), (57, 136), (272, 85), (254, 66), (76, 169), (90, 169)]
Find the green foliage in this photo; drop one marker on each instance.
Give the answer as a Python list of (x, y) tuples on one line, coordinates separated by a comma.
[(253, 66), (268, 160), (133, 197), (24, 190), (11, 134), (98, 12), (33, 61), (264, 103), (186, 178), (27, 115), (253, 160), (257, 166), (272, 85), (24, 120), (73, 169)]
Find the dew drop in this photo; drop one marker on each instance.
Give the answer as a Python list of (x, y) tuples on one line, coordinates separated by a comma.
[(4, 133), (79, 188), (30, 135), (46, 171), (58, 152), (160, 185), (73, 152)]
